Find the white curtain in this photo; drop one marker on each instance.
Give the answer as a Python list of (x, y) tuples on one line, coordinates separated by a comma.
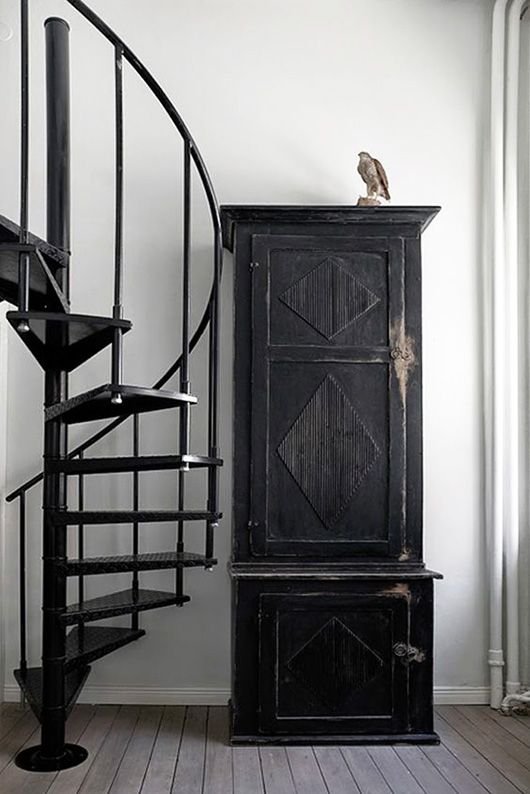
[(524, 309), (507, 356)]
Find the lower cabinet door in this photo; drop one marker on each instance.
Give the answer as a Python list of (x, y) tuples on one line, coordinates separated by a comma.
[(330, 664)]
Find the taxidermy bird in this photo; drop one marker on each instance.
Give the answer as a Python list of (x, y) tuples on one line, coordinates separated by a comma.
[(374, 176)]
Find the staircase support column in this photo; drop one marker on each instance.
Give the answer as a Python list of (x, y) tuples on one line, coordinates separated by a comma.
[(53, 753), (58, 137)]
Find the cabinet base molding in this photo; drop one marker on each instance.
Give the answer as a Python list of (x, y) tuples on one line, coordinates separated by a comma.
[(337, 739)]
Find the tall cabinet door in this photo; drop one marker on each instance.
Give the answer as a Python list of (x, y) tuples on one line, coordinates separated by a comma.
[(330, 364)]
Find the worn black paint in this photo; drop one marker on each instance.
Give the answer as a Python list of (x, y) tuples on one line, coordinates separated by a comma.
[(327, 567)]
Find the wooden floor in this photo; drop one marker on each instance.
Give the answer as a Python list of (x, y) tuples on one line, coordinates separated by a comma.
[(155, 750)]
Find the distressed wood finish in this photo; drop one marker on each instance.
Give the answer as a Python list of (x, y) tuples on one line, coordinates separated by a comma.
[(332, 622)]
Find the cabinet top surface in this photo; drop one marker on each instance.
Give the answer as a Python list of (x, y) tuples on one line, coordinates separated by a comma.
[(232, 214)]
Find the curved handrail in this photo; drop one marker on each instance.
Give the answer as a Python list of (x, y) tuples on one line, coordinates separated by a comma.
[(213, 204), (162, 97)]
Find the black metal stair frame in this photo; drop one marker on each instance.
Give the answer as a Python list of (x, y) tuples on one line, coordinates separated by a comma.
[(151, 561), (34, 276), (65, 341), (30, 682), (45, 269)]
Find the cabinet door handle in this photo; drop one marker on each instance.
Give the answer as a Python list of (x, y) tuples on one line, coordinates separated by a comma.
[(408, 653)]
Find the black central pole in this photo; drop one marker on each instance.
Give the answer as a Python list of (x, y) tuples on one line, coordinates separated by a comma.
[(53, 753)]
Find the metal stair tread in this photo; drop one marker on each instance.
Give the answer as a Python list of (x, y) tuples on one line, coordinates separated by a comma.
[(132, 463), (85, 644), (10, 233), (124, 602), (150, 561), (97, 404), (73, 517), (65, 341), (30, 681), (44, 262)]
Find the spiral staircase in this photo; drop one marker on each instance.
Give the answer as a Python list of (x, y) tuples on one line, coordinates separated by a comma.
[(34, 277)]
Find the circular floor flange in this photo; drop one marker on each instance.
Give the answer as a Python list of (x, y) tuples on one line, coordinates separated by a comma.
[(33, 760)]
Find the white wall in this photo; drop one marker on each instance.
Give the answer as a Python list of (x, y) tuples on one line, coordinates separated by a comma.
[(279, 95)]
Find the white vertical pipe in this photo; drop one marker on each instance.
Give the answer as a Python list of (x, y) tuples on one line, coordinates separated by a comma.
[(513, 683), (3, 493), (495, 504)]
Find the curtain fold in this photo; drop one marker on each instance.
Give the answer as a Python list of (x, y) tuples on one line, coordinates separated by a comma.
[(507, 358), (524, 352)]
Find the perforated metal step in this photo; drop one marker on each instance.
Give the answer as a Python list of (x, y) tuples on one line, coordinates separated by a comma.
[(140, 562), (65, 341), (100, 403), (122, 603), (141, 463), (85, 644), (30, 682), (73, 517), (44, 263)]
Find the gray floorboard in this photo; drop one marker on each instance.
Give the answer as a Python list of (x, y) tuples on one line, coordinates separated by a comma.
[(185, 750), (246, 768), (276, 771), (335, 771), (189, 774), (161, 768)]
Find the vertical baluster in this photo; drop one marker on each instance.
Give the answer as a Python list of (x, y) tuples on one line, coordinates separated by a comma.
[(213, 399), (23, 266), (136, 452), (117, 345), (81, 540), (22, 585), (179, 572), (185, 365), (186, 304)]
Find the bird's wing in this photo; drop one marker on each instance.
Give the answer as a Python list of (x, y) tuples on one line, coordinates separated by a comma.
[(361, 170), (381, 173)]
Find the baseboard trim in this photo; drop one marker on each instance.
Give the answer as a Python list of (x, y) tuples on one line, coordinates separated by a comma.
[(209, 696), (142, 696), (461, 695)]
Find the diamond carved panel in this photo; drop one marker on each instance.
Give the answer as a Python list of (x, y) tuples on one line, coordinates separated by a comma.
[(328, 451), (329, 298), (334, 663)]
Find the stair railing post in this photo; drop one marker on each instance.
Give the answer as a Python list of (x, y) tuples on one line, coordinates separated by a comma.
[(213, 398), (184, 433), (53, 753), (22, 587), (117, 309), (81, 540), (136, 502), (186, 306)]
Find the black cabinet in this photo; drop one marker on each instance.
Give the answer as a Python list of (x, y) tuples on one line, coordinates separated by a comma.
[(330, 590)]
